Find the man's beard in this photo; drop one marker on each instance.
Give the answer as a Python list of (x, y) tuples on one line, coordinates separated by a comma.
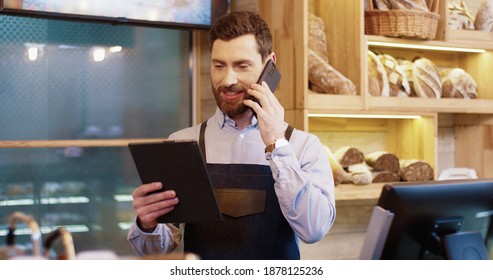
[(229, 108)]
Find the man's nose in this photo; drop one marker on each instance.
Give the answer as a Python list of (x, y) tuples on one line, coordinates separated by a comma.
[(231, 78)]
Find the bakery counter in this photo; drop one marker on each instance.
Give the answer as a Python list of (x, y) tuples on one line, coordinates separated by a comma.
[(349, 192)]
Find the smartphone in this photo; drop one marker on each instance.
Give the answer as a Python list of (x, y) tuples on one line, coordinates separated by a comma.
[(270, 75)]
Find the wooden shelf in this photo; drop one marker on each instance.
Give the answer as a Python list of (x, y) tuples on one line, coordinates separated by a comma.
[(443, 105), (320, 101), (468, 39), (342, 103), (348, 192)]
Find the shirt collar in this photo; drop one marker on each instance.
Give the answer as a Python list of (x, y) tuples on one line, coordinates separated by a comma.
[(222, 119)]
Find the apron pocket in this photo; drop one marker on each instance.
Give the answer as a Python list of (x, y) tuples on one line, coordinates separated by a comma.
[(240, 202)]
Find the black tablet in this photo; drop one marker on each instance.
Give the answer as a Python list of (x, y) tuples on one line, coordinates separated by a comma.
[(180, 166)]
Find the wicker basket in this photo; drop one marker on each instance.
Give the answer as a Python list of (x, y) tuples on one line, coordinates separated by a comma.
[(402, 23)]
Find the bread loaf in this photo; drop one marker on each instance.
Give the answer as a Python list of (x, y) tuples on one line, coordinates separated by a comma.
[(484, 16), (378, 83), (385, 5), (385, 177), (316, 36), (383, 161), (407, 69), (360, 174), (415, 170), (340, 175), (398, 83), (416, 5), (328, 79), (460, 16), (426, 79), (457, 83), (347, 156)]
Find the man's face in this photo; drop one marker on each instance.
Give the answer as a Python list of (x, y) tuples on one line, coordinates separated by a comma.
[(235, 65)]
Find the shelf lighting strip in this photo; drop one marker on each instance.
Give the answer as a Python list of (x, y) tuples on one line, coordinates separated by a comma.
[(424, 47), (47, 229), (364, 116), (45, 200)]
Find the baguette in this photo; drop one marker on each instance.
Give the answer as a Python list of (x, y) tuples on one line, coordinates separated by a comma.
[(316, 37), (326, 78), (484, 16)]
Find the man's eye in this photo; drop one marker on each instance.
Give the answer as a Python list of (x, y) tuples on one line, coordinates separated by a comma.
[(218, 66)]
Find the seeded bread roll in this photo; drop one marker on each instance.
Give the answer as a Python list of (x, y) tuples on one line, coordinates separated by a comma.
[(484, 16), (426, 79), (326, 78), (457, 83), (378, 83), (398, 83)]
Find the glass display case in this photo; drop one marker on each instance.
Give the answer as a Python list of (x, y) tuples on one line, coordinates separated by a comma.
[(72, 95)]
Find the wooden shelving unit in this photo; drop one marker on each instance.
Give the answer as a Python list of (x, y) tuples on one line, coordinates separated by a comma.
[(347, 49)]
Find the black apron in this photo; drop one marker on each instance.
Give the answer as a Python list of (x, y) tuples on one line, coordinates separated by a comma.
[(253, 227)]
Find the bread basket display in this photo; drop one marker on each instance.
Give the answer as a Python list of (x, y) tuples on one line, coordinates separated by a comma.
[(402, 18)]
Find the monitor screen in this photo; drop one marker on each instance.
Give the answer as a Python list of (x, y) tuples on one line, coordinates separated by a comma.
[(170, 13), (430, 219)]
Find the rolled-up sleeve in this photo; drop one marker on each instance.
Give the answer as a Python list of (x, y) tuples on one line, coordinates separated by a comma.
[(305, 188)]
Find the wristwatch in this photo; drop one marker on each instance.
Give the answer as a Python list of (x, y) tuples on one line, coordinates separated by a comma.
[(276, 144)]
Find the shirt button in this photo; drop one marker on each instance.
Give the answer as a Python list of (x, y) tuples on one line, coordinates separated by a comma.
[(276, 157), (242, 136)]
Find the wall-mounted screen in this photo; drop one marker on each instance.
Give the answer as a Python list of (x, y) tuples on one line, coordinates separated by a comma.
[(170, 13)]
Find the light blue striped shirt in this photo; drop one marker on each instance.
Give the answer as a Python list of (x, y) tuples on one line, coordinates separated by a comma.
[(303, 178)]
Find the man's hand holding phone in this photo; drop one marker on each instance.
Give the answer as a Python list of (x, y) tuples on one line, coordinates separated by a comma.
[(268, 110)]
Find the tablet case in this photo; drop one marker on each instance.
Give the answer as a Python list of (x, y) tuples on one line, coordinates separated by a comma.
[(178, 165)]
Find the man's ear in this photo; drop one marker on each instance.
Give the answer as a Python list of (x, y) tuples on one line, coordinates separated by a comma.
[(273, 56)]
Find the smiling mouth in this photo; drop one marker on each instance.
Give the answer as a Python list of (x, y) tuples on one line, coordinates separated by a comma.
[(232, 94)]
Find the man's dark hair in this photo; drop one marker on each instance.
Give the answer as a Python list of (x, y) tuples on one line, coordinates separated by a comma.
[(239, 23)]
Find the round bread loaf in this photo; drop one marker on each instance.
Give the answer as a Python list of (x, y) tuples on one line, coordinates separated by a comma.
[(407, 69), (378, 83), (457, 83), (426, 79), (398, 83)]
